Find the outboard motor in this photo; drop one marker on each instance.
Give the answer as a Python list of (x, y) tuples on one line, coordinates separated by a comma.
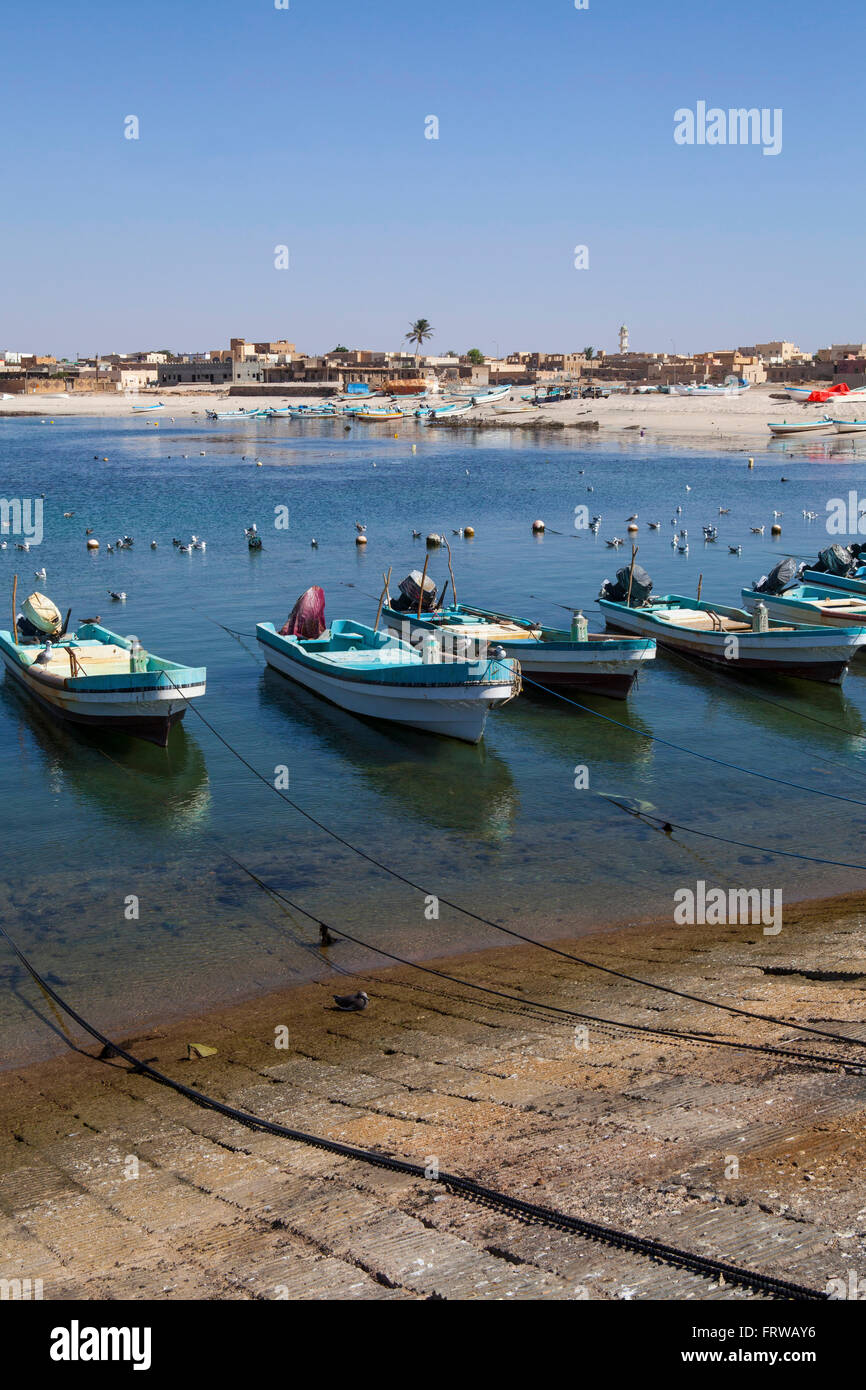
[(781, 577), (836, 559), (411, 591), (641, 587), (307, 618)]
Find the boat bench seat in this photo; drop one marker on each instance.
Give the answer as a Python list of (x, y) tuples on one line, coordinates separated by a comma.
[(98, 660), (701, 621)]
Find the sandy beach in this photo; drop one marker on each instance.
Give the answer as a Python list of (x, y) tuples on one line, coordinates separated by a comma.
[(114, 1187), (728, 420)]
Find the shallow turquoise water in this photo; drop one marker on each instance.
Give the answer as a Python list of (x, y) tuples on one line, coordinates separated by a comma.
[(500, 828)]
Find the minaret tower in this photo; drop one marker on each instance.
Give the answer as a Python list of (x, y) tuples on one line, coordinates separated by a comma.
[(623, 339)]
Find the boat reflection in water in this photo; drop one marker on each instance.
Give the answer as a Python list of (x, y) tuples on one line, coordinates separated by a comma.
[(461, 787), (123, 776)]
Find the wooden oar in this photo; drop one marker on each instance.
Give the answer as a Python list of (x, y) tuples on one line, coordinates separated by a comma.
[(15, 610)]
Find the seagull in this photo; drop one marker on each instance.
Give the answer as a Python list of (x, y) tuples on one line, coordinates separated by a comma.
[(757, 530), (723, 511), (653, 525), (153, 545), (735, 549), (778, 514), (688, 487), (679, 508), (22, 545), (183, 549), (40, 574), (198, 544), (360, 529), (251, 530), (314, 543), (617, 541), (352, 1003), (633, 517), (593, 526), (118, 597), (684, 533), (673, 542), (110, 549), (684, 549), (68, 514), (416, 535)]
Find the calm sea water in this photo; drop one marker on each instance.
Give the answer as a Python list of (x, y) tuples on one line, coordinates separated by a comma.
[(90, 822)]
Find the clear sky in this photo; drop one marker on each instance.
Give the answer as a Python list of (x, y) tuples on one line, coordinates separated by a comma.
[(305, 127)]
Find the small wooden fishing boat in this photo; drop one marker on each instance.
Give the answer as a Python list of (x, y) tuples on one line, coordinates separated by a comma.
[(375, 676), (820, 579), (488, 398), (97, 679), (453, 408), (593, 662), (706, 632), (778, 428), (235, 414), (142, 408), (849, 426), (811, 603), (376, 416)]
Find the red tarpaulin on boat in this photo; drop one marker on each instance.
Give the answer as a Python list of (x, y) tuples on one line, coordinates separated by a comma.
[(841, 390), (307, 618)]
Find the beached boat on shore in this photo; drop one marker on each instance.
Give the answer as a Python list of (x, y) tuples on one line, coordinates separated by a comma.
[(105, 682), (452, 408), (142, 408), (595, 663), (376, 416), (377, 677), (780, 428), (235, 414), (705, 632), (811, 603), (849, 426)]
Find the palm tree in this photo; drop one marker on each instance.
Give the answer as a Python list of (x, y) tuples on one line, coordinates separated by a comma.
[(589, 353), (418, 331)]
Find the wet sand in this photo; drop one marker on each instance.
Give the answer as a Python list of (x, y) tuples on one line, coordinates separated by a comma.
[(114, 1187)]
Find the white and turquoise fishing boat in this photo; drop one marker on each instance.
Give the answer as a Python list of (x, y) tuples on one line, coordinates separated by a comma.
[(781, 428), (591, 662), (737, 641), (95, 678), (849, 426), (142, 408), (375, 676), (235, 414), (811, 603), (437, 412), (823, 580)]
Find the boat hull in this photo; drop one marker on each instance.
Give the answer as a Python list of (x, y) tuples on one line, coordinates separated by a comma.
[(147, 718), (808, 653), (599, 666), (416, 707)]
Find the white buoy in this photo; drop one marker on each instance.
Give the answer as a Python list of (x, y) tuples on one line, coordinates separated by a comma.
[(360, 540), (538, 525), (93, 543)]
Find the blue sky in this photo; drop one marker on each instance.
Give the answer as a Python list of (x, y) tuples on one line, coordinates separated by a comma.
[(305, 127)]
